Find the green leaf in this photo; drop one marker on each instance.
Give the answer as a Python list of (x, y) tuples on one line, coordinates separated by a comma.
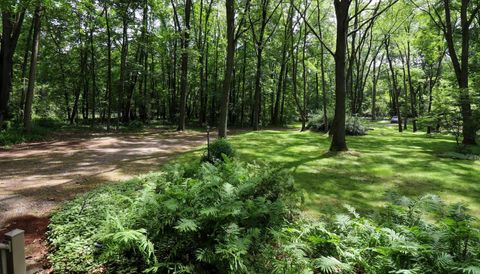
[(186, 225)]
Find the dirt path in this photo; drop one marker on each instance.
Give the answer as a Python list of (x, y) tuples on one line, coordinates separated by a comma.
[(35, 178)]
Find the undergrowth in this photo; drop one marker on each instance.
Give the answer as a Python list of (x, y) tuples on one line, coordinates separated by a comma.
[(233, 217), (190, 219)]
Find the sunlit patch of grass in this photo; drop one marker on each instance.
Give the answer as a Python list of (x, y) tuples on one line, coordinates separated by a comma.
[(384, 160)]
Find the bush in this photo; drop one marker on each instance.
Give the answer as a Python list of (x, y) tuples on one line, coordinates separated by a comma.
[(135, 125), (14, 135), (354, 126), (317, 122), (234, 217), (409, 236), (49, 123), (197, 219), (217, 150)]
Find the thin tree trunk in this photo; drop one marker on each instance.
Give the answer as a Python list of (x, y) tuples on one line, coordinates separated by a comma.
[(244, 66), (109, 69), (27, 119), (322, 68), (222, 123), (413, 93), (94, 76), (123, 67), (281, 77), (258, 90), (24, 72), (395, 92), (375, 76), (184, 66)]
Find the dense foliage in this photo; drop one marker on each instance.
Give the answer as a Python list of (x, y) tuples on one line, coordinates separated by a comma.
[(409, 236), (354, 126), (217, 150), (194, 219), (233, 217), (317, 122)]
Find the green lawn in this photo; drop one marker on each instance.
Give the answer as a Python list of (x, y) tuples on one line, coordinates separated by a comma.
[(384, 160)]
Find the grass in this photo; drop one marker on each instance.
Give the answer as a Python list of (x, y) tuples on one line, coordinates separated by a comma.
[(408, 163)]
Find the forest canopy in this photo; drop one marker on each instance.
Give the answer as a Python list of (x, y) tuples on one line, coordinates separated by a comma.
[(242, 63)]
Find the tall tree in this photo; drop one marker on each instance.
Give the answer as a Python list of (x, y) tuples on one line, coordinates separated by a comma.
[(11, 28), (185, 31), (260, 37), (27, 118), (109, 67), (229, 63), (446, 21)]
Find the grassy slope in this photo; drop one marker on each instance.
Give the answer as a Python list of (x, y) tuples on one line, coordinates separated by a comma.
[(384, 160)]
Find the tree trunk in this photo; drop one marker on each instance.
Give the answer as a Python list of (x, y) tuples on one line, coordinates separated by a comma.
[(109, 69), (338, 129), (413, 92), (324, 83), (81, 82), (461, 66), (281, 77), (11, 28), (184, 66), (258, 91), (27, 119), (222, 123), (375, 77), (94, 76), (395, 92), (123, 68), (24, 73)]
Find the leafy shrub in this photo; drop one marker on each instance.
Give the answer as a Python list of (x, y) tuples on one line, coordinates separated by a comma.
[(135, 125), (409, 236), (354, 126), (15, 135), (317, 122), (197, 219), (234, 217), (49, 123), (217, 150)]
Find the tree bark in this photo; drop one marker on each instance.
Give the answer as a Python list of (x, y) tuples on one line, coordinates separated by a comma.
[(338, 129), (93, 75), (109, 69), (461, 66), (184, 66), (11, 28), (27, 119), (24, 73), (223, 120), (395, 92)]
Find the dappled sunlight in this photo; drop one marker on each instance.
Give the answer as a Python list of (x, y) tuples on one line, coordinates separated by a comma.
[(41, 174), (382, 161)]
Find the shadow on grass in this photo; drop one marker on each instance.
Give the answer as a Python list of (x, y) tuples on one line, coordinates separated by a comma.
[(384, 160)]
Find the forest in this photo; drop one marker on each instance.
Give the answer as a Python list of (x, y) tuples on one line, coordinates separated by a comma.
[(286, 136)]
